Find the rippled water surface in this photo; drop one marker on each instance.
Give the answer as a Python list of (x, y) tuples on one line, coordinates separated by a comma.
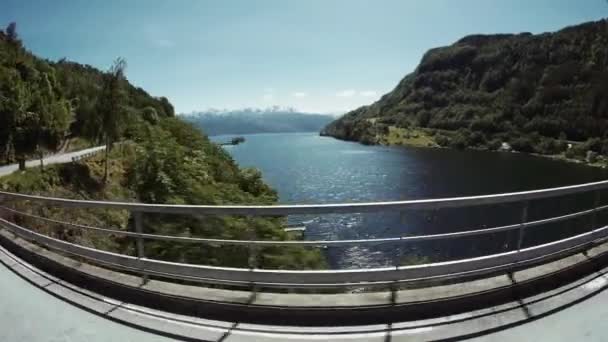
[(307, 168)]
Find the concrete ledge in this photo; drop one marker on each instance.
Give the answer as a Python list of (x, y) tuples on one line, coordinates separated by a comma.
[(312, 309)]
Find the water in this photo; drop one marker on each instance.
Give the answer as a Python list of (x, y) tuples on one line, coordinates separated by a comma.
[(307, 168)]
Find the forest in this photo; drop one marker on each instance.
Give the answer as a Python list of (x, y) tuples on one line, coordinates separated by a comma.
[(152, 156), (538, 93)]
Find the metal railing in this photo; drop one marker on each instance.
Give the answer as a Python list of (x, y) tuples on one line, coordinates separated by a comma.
[(84, 156), (252, 276)]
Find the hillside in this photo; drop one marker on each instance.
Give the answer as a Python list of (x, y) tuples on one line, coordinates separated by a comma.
[(535, 92), (159, 158), (44, 103), (247, 121)]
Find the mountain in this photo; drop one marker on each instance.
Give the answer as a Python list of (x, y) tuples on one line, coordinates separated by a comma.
[(160, 159), (246, 121), (42, 102), (533, 91)]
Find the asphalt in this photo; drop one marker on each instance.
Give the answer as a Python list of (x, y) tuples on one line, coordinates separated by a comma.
[(35, 306), (61, 158), (27, 313), (584, 321)]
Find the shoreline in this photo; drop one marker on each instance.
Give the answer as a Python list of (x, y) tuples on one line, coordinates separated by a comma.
[(602, 162)]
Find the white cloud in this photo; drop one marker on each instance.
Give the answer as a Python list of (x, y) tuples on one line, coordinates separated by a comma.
[(164, 43), (368, 93), (346, 93), (299, 94), (268, 95)]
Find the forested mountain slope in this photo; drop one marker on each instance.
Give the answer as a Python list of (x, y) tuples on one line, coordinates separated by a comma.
[(43, 102), (533, 91), (159, 159)]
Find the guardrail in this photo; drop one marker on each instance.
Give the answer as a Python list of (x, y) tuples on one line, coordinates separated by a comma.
[(85, 155), (518, 257)]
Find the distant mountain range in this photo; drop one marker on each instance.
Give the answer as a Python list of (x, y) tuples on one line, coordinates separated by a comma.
[(256, 120)]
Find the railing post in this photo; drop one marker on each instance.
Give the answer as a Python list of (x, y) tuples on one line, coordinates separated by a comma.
[(399, 250), (397, 259), (252, 261), (596, 204), (524, 219), (140, 241)]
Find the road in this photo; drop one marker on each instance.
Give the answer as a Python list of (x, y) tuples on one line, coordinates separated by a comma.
[(584, 321), (61, 158), (29, 314)]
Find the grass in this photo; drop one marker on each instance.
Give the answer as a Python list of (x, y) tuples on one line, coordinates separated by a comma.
[(415, 259), (82, 180), (407, 137)]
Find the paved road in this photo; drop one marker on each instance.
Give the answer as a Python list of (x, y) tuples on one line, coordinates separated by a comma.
[(29, 314), (54, 159), (585, 321)]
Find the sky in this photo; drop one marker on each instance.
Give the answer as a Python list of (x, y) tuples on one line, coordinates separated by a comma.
[(313, 55)]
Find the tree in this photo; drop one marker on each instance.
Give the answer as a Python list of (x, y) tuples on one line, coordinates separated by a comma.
[(11, 32), (111, 107), (54, 114), (149, 114), (167, 106)]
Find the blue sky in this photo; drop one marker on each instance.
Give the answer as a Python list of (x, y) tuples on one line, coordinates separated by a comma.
[(314, 55)]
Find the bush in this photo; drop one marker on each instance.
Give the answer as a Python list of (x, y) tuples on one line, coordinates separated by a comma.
[(604, 150), (403, 123), (494, 144), (550, 146), (486, 124), (477, 139), (442, 140), (423, 119), (149, 114), (522, 144), (461, 140), (576, 152), (593, 144)]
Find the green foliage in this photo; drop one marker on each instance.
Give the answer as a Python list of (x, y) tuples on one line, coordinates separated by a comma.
[(165, 160), (576, 152), (34, 115), (423, 119), (111, 103), (524, 89), (175, 164), (44, 103), (494, 144), (523, 144), (442, 140), (11, 32), (415, 259), (83, 84), (550, 146), (149, 114), (171, 162), (461, 139)]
